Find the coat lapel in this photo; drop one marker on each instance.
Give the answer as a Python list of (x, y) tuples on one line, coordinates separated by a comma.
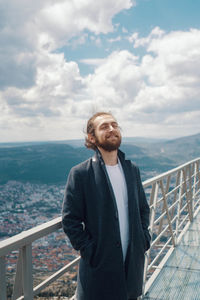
[(102, 180), (131, 183)]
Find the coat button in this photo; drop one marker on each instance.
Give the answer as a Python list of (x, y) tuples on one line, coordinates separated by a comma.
[(118, 244)]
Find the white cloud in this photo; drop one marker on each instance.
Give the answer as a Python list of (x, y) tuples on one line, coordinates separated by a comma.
[(79, 40), (141, 42), (115, 80), (155, 91), (43, 95), (93, 61), (133, 37), (56, 82), (66, 19), (47, 25), (38, 86), (117, 39), (172, 72), (98, 42), (124, 30)]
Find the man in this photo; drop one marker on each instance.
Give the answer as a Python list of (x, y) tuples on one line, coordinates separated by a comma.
[(106, 217)]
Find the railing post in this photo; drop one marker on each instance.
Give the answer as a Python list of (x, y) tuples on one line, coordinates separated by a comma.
[(153, 201), (176, 191), (194, 181), (190, 192), (3, 278), (179, 202), (198, 175), (163, 208), (167, 212), (187, 194), (153, 210), (195, 187), (18, 287), (27, 273)]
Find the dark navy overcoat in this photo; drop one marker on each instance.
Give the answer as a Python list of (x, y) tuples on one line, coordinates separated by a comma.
[(90, 220)]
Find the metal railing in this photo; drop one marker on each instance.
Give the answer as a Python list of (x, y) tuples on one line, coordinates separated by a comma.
[(174, 202)]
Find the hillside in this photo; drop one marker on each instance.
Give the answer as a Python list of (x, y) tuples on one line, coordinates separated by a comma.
[(178, 150), (50, 162), (46, 163)]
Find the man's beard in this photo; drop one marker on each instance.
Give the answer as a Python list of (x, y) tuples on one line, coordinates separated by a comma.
[(108, 145)]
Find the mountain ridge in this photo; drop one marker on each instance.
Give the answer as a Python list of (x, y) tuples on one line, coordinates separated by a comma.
[(50, 162)]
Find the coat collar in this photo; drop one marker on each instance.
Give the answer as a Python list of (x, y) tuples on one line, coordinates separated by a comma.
[(98, 157)]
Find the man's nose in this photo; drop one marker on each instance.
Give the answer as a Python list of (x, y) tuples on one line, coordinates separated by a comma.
[(111, 127)]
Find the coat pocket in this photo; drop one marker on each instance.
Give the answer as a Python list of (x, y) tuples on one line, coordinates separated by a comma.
[(147, 239), (144, 242), (87, 252)]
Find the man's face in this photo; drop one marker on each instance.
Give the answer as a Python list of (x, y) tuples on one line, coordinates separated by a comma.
[(107, 133)]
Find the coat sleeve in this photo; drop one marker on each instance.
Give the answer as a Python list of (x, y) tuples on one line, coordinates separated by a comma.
[(144, 209), (73, 216)]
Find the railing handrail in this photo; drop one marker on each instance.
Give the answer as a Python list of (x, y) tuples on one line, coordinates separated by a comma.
[(156, 178), (28, 236)]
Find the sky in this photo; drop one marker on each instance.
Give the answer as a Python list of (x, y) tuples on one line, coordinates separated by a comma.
[(63, 60)]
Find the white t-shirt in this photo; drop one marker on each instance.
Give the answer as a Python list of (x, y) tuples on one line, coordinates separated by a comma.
[(118, 182)]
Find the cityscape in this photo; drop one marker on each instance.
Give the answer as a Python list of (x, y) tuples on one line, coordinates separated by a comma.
[(23, 206)]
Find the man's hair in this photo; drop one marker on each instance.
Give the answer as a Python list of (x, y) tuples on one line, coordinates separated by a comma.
[(91, 130)]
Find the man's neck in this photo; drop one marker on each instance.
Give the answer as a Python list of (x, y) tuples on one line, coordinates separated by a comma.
[(110, 158)]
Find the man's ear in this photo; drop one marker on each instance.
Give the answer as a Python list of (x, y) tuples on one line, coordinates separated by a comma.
[(91, 138)]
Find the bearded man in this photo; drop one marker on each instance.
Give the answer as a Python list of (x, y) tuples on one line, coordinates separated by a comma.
[(106, 216)]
